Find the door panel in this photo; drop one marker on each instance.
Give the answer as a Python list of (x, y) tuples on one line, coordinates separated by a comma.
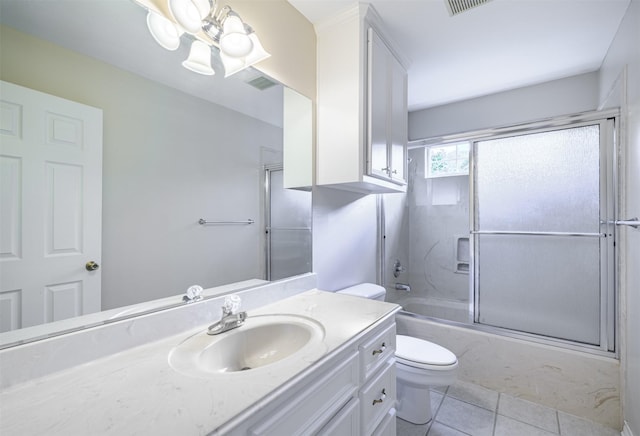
[(538, 244), (51, 215)]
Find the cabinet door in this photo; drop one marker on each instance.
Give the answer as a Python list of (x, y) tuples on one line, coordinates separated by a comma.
[(379, 94), (399, 120), (387, 105)]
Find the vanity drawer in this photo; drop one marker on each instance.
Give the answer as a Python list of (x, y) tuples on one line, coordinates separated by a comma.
[(388, 425), (317, 403), (378, 397), (376, 351), (345, 423)]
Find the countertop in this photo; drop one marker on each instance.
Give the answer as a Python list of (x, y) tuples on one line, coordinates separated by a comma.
[(137, 392)]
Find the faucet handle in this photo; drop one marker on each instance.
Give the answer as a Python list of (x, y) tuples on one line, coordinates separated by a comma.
[(231, 304), (194, 293)]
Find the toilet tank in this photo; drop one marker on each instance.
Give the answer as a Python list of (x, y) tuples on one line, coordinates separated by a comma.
[(365, 290)]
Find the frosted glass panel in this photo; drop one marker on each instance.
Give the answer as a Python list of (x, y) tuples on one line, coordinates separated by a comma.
[(289, 207), (290, 253), (543, 285), (540, 182), (289, 230)]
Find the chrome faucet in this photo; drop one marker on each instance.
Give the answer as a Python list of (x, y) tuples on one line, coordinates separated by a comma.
[(403, 287), (231, 318), (397, 268)]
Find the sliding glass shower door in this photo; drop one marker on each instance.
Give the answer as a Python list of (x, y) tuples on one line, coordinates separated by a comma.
[(288, 227), (542, 240)]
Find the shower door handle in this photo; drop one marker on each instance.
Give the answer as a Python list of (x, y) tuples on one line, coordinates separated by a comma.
[(527, 233), (633, 222)]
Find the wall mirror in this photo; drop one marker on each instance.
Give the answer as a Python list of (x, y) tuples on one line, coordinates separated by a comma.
[(177, 147)]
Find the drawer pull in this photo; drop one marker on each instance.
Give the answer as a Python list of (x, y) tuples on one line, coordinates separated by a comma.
[(380, 350), (381, 399)]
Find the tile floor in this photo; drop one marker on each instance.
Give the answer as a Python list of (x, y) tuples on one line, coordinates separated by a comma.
[(465, 409)]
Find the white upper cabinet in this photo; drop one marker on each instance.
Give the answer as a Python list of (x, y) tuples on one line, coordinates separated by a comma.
[(362, 106)]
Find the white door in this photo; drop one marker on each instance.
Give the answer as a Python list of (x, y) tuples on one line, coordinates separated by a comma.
[(51, 207)]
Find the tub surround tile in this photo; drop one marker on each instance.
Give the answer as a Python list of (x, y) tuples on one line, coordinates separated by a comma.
[(466, 417)]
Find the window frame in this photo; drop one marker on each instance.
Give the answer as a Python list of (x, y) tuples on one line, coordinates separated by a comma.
[(428, 164)]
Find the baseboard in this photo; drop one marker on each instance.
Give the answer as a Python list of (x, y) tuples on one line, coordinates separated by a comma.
[(626, 430)]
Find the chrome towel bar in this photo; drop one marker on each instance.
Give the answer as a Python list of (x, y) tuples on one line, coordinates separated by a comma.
[(202, 221)]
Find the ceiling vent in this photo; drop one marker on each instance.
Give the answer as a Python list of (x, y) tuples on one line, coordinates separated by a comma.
[(456, 7), (261, 83)]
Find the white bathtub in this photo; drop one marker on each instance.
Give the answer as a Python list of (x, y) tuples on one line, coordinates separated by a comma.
[(578, 383), (438, 308)]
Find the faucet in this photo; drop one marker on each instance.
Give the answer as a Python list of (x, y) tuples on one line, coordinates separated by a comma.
[(403, 287), (397, 268), (231, 318)]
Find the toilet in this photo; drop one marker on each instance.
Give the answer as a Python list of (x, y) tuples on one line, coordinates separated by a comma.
[(419, 364)]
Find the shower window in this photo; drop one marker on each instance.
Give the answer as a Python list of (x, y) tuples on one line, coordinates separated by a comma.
[(543, 239), (447, 160)]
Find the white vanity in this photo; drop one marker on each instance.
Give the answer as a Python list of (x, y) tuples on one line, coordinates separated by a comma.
[(341, 383)]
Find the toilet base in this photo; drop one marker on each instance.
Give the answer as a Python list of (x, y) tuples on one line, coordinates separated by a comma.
[(414, 404)]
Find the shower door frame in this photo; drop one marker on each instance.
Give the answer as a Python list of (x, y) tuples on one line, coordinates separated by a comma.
[(609, 122), (269, 169)]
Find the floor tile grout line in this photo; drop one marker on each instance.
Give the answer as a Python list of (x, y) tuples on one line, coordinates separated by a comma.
[(496, 413), (495, 416)]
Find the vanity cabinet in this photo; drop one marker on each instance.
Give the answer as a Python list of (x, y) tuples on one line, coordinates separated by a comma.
[(352, 392), (362, 106)]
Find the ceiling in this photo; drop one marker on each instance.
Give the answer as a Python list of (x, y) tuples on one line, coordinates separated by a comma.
[(500, 45)]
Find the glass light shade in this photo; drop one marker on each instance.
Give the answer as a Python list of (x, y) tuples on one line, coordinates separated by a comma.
[(165, 32), (234, 41), (232, 65), (233, 24), (258, 53), (199, 60), (189, 13)]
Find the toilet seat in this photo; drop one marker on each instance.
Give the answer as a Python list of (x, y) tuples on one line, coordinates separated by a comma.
[(419, 353)]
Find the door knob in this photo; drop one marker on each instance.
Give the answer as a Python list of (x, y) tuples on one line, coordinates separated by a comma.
[(91, 266)]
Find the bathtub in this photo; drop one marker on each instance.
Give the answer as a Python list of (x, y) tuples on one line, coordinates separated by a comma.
[(578, 383), (438, 308)]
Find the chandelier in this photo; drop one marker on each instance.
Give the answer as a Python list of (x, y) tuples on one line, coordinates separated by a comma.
[(210, 26)]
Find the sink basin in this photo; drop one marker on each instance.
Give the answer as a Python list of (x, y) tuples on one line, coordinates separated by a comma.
[(261, 342)]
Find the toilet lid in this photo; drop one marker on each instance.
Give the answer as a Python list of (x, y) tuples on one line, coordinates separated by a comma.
[(365, 290), (423, 352)]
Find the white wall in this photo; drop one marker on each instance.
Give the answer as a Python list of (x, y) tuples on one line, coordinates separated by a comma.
[(558, 97), (344, 238), (169, 159), (620, 86)]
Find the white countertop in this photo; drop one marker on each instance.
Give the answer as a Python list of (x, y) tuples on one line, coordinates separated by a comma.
[(137, 392)]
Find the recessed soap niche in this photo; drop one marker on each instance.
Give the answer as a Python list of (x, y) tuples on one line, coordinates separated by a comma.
[(461, 254)]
